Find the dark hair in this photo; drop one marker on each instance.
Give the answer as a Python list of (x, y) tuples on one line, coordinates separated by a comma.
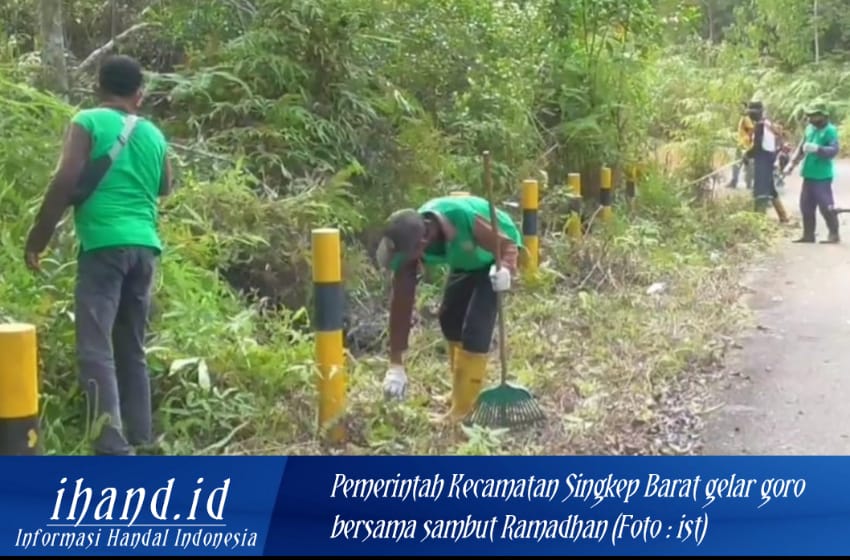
[(120, 75), (405, 229)]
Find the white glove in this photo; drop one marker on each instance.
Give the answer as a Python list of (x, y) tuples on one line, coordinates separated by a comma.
[(810, 147), (395, 382), (501, 279)]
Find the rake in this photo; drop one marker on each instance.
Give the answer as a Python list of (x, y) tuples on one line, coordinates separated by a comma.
[(507, 404)]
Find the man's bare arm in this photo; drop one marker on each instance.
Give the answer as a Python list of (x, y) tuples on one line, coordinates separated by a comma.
[(401, 310), (75, 154), (485, 236), (166, 182)]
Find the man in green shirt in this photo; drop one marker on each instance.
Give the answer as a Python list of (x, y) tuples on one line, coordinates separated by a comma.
[(116, 227), (453, 231), (817, 154)]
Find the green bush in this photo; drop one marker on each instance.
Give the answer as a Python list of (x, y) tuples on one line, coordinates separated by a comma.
[(300, 114)]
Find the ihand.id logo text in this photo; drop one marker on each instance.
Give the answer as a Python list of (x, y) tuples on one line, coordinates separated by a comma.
[(84, 517)]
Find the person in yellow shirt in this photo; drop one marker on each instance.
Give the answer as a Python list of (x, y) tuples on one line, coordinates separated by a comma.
[(746, 129)]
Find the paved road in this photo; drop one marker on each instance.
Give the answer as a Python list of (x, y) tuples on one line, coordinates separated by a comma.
[(787, 389)]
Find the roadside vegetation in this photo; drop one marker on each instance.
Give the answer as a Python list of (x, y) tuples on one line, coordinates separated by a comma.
[(287, 115)]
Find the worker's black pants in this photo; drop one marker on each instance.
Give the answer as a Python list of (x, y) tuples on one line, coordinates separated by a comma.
[(817, 195), (468, 313)]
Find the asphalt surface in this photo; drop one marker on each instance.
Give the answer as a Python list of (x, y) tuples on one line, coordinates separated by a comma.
[(787, 387)]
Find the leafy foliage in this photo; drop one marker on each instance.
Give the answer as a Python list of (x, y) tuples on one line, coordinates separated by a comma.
[(287, 115)]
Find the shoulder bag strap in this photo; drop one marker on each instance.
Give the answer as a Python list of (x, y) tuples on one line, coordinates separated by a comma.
[(124, 137), (88, 184)]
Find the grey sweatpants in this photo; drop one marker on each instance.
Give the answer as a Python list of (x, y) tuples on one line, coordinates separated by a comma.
[(817, 195), (112, 301)]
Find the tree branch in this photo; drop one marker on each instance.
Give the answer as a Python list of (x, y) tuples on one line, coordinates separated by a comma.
[(92, 59)]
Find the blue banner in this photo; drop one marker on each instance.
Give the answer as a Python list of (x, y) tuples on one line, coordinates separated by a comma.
[(412, 506), (137, 505)]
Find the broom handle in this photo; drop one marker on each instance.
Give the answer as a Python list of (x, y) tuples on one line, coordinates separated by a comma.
[(494, 223)]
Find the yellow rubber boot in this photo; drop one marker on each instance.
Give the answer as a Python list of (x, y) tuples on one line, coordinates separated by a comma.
[(471, 374), (454, 348)]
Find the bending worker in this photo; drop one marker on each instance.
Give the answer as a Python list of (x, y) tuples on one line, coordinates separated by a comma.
[(453, 231)]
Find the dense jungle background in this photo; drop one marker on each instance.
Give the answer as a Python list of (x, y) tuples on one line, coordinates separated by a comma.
[(285, 115)]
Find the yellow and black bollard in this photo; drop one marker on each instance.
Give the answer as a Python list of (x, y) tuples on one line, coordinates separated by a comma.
[(530, 232), (330, 354), (19, 418), (574, 183), (605, 195), (574, 217)]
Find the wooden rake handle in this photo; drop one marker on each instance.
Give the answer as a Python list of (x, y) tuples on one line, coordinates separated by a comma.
[(494, 223)]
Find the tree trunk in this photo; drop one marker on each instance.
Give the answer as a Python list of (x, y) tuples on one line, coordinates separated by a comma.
[(54, 68), (710, 15), (817, 41)]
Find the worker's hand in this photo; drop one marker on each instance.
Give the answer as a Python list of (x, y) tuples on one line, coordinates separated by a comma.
[(510, 258), (395, 383), (788, 169), (500, 278), (810, 147)]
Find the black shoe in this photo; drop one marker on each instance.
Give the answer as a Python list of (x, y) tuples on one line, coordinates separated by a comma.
[(804, 239), (832, 239)]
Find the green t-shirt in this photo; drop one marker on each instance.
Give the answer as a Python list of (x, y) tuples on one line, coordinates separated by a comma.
[(462, 252), (817, 168), (122, 211)]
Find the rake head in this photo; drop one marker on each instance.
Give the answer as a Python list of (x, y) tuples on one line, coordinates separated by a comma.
[(506, 406)]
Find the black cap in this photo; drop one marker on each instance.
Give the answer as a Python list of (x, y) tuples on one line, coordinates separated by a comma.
[(401, 237)]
